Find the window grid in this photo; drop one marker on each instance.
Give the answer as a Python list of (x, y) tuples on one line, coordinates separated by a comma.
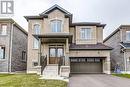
[(85, 33), (56, 25), (3, 30), (36, 29)]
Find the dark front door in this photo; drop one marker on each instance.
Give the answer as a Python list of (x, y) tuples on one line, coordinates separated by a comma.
[(55, 54)]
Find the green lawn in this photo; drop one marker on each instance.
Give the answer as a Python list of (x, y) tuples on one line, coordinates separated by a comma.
[(122, 75), (28, 80)]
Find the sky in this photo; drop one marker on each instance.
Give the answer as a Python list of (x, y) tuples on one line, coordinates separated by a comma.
[(111, 12)]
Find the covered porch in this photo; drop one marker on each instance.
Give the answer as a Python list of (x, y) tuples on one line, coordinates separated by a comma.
[(53, 50)]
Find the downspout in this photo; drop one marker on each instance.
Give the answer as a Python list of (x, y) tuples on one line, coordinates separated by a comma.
[(125, 62), (11, 38)]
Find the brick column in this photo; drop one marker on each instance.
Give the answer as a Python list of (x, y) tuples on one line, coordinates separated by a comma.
[(39, 57), (107, 66), (39, 53), (67, 53)]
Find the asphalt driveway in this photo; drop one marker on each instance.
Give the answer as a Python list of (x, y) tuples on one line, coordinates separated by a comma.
[(97, 80)]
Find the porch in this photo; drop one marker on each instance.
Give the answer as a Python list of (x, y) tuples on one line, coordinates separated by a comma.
[(53, 54)]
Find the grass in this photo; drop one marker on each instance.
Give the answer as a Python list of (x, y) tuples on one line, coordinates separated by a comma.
[(122, 75), (28, 80)]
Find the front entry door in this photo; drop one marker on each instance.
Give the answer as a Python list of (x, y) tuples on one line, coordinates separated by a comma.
[(55, 53)]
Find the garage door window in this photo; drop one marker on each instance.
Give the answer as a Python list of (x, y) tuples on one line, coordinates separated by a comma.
[(90, 60), (85, 60), (82, 60), (74, 60), (97, 60)]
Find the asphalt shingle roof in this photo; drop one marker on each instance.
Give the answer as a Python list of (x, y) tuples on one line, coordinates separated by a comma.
[(98, 46)]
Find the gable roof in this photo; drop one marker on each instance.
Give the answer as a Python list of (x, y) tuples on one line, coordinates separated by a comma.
[(46, 12), (114, 32), (53, 8), (67, 15)]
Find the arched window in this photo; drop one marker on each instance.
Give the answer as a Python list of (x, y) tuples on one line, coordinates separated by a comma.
[(56, 25), (36, 29)]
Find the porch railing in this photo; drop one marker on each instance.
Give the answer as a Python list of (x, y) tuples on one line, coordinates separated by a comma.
[(60, 63), (43, 62)]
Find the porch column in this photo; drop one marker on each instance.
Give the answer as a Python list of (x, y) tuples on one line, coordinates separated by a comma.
[(67, 52), (107, 66), (39, 53), (39, 56)]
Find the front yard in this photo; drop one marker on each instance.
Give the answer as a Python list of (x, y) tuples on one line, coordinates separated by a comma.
[(122, 75), (28, 80)]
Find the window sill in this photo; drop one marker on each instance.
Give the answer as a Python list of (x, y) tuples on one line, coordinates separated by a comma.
[(34, 49), (2, 59), (85, 39)]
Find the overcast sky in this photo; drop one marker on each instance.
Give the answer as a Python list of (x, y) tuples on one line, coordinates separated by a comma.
[(111, 12)]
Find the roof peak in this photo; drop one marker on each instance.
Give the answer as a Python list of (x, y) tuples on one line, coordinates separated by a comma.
[(53, 8)]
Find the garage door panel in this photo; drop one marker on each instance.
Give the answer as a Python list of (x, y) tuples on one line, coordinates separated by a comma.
[(86, 67)]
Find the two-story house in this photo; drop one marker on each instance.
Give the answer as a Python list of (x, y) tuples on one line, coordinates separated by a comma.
[(71, 47), (13, 46), (120, 41)]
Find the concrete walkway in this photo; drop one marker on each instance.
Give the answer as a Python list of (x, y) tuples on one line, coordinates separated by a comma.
[(97, 80)]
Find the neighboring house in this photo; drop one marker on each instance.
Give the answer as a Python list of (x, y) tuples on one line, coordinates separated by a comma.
[(13, 46), (78, 46), (120, 41)]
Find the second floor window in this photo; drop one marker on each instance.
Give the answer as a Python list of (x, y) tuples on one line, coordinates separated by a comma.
[(56, 25), (36, 29), (128, 35), (2, 52), (85, 33), (3, 30)]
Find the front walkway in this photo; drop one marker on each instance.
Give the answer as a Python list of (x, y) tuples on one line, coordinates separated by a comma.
[(97, 80)]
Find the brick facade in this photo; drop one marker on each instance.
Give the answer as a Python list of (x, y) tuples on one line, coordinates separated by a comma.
[(19, 44)]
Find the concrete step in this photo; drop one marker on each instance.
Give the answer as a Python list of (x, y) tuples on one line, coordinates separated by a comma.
[(50, 71)]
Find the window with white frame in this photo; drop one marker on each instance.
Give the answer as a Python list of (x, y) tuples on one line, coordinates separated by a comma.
[(36, 29), (3, 30), (128, 35), (35, 43), (85, 33), (2, 52), (56, 25)]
